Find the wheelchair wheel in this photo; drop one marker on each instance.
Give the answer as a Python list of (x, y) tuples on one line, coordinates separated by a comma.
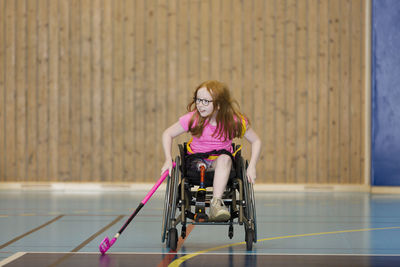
[(250, 209), (253, 204), (170, 200), (174, 191), (167, 205)]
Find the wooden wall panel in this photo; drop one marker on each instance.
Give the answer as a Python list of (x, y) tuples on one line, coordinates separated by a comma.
[(333, 90), (107, 173), (313, 87), (361, 162), (43, 89), (280, 93), (75, 90), (323, 79), (10, 90), (140, 82), (290, 29), (301, 92), (20, 96), (118, 89), (129, 107), (149, 152), (2, 89), (53, 96), (258, 72), (97, 89), (171, 110), (63, 88), (215, 39), (32, 85), (236, 48), (269, 102), (247, 75), (204, 39), (344, 107), (88, 86), (85, 81)]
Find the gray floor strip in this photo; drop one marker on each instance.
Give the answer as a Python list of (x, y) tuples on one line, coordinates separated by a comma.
[(87, 241), (31, 231)]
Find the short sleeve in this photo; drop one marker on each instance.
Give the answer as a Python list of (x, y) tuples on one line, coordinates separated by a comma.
[(185, 119), (245, 124)]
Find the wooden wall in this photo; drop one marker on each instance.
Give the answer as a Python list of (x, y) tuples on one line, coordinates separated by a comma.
[(88, 86)]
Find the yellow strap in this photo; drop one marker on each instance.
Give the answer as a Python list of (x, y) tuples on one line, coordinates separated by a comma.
[(243, 127), (237, 150), (188, 146)]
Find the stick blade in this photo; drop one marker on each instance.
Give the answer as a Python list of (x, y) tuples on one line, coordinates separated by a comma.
[(104, 245)]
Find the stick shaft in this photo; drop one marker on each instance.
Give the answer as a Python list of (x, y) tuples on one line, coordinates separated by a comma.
[(146, 198), (131, 218)]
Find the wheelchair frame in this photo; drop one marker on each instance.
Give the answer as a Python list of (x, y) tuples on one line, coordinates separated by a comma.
[(181, 196)]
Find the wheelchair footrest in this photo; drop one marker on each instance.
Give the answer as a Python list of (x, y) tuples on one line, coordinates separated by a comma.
[(201, 217), (197, 217), (200, 214)]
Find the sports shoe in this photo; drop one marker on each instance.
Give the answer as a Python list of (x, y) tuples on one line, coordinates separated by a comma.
[(218, 210)]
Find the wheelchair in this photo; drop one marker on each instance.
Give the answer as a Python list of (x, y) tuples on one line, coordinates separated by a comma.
[(184, 205)]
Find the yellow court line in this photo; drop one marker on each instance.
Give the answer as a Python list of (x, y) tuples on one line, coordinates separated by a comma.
[(180, 260)]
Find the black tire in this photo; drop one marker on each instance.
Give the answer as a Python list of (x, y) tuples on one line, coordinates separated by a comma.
[(253, 208), (170, 200), (174, 190), (166, 211), (173, 238), (249, 239), (250, 209), (246, 191)]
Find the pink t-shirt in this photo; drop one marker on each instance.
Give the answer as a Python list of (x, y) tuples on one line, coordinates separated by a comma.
[(206, 142)]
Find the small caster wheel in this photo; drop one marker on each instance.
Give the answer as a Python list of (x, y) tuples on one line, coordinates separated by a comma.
[(230, 233), (183, 232)]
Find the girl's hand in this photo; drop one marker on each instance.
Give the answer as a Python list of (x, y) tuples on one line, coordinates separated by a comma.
[(251, 174), (167, 166)]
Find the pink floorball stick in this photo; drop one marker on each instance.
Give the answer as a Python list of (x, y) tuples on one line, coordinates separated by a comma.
[(106, 243)]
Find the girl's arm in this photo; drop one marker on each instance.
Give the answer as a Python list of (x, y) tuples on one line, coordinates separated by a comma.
[(167, 136), (255, 141)]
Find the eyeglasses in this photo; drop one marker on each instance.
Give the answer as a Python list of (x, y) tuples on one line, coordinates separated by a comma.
[(205, 102)]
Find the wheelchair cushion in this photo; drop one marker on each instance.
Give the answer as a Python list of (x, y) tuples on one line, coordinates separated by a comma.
[(194, 177)]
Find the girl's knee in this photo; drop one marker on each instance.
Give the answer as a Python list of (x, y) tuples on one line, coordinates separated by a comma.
[(224, 160)]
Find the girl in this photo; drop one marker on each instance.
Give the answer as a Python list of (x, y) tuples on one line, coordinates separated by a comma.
[(214, 120)]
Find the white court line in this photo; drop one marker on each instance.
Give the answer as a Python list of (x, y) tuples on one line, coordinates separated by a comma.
[(12, 258), (20, 254), (209, 253)]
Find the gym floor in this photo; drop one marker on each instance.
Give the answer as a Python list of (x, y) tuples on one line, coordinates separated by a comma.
[(53, 228)]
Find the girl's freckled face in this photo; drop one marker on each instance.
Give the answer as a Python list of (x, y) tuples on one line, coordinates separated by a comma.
[(204, 110)]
